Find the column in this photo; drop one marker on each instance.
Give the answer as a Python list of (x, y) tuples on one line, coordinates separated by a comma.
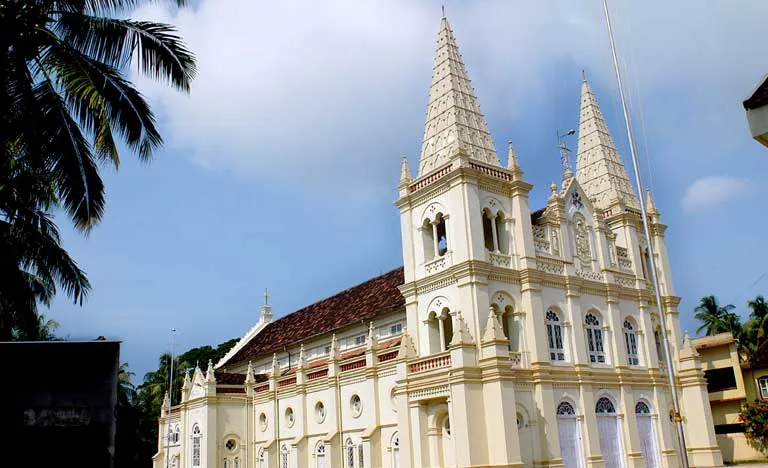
[(494, 226)]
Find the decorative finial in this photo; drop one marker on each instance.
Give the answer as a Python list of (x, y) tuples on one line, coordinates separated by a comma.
[(553, 188), (266, 297), (249, 378), (512, 163), (209, 374), (266, 309), (405, 172), (442, 9), (583, 76)]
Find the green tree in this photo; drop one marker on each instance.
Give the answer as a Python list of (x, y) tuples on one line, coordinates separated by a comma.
[(65, 106), (759, 313), (33, 264), (44, 330), (755, 418), (715, 318)]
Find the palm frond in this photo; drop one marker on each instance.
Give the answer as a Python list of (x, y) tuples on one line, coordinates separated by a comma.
[(155, 48)]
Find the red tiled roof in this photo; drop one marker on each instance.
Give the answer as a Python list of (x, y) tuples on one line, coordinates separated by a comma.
[(759, 98), (229, 378), (363, 302)]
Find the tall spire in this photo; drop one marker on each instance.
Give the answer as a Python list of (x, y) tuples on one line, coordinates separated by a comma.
[(454, 120), (266, 309), (599, 169)]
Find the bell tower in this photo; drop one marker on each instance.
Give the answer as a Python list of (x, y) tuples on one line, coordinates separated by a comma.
[(464, 218)]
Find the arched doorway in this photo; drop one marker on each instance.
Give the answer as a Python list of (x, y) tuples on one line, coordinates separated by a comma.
[(396, 451), (320, 455), (608, 429), (570, 437), (446, 444), (647, 433)]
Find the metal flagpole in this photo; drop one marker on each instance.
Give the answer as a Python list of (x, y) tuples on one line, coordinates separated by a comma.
[(170, 399), (654, 273)]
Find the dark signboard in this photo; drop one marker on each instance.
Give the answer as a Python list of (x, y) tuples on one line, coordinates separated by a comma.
[(57, 403)]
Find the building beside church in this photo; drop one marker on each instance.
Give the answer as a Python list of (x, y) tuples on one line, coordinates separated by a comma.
[(510, 337), (732, 382)]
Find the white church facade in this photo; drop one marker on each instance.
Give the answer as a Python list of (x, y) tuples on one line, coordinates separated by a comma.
[(509, 338)]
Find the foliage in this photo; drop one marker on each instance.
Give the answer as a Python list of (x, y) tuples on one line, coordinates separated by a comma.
[(65, 107), (716, 318), (44, 330), (139, 408), (755, 418), (32, 261)]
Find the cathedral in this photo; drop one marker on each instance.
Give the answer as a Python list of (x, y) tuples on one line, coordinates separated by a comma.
[(510, 337)]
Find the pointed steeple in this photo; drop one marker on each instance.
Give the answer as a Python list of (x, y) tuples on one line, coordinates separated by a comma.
[(599, 168), (454, 120)]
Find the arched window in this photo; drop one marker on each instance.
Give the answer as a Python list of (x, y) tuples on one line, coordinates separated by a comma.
[(350, 454), (435, 237), (236, 463), (320, 455), (360, 456), (495, 236), (610, 435), (226, 465), (262, 458), (565, 409), (441, 235), (605, 406), (196, 445), (396, 451), (555, 336), (762, 383), (630, 339), (428, 238), (447, 321), (284, 457), (594, 339), (488, 234), (570, 437), (642, 408), (659, 345), (647, 433)]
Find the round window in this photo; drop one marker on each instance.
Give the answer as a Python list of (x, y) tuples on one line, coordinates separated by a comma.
[(289, 417), (263, 421), (320, 412), (231, 445), (356, 405)]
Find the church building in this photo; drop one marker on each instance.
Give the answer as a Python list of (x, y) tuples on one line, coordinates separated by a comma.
[(510, 337)]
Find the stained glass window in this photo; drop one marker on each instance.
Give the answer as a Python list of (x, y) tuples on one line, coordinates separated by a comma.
[(565, 409), (604, 406)]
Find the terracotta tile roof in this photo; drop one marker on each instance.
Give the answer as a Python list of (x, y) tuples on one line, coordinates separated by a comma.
[(759, 97), (712, 341), (229, 378), (363, 302)]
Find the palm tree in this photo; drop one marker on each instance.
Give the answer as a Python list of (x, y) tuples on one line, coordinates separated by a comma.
[(715, 318), (65, 96), (759, 313), (32, 260), (65, 106)]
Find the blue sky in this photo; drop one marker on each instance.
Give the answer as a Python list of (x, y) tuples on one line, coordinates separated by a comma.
[(280, 169)]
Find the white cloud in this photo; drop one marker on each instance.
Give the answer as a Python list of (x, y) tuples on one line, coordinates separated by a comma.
[(712, 191), (334, 92)]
